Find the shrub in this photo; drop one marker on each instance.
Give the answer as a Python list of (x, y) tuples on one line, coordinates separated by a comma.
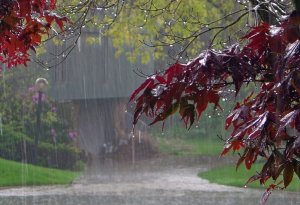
[(19, 147)]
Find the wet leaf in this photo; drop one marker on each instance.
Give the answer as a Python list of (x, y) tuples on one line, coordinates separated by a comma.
[(296, 166), (253, 179), (288, 174), (148, 83), (265, 197)]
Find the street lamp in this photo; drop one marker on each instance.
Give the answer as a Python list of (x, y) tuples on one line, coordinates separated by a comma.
[(41, 85)]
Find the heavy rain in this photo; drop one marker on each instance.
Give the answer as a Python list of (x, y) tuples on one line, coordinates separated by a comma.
[(143, 102)]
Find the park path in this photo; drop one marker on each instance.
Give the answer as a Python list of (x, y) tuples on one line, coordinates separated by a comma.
[(166, 181)]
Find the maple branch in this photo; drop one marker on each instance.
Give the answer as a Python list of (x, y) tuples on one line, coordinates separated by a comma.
[(226, 27), (259, 122)]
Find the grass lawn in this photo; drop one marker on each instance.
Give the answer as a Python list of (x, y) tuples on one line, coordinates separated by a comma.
[(229, 176), (189, 146), (18, 174)]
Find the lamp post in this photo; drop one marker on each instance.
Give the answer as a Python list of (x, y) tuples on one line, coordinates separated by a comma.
[(41, 85)]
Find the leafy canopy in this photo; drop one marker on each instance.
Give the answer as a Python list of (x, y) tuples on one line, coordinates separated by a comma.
[(166, 26), (150, 29), (145, 30)]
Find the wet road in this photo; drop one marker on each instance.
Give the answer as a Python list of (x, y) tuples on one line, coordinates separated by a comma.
[(152, 182)]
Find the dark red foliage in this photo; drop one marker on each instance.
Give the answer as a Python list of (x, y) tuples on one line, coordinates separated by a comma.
[(23, 22), (264, 124)]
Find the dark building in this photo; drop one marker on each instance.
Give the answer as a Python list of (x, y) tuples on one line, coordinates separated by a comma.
[(98, 84)]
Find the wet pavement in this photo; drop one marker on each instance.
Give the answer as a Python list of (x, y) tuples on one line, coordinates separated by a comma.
[(164, 181)]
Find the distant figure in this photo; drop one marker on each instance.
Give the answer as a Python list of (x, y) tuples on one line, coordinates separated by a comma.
[(89, 158), (123, 123), (102, 154)]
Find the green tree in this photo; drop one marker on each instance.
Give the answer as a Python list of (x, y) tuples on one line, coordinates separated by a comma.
[(151, 30)]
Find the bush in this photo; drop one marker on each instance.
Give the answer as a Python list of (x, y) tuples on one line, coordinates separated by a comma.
[(19, 147)]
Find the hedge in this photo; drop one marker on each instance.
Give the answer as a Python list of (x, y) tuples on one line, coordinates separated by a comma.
[(19, 147)]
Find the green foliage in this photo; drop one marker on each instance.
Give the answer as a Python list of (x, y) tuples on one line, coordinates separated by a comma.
[(20, 174), (19, 147), (18, 109), (60, 156), (18, 105), (187, 146), (169, 26), (162, 23)]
